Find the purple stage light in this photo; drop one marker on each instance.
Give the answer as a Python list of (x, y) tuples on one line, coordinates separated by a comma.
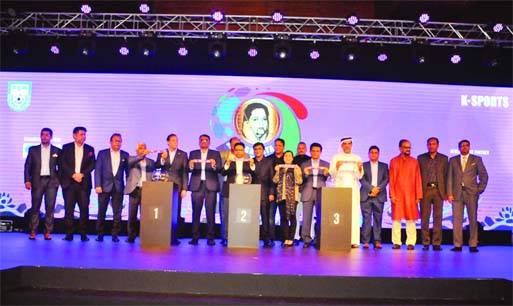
[(217, 16), (86, 8), (277, 16), (424, 18), (455, 59), (353, 20), (252, 52), (54, 49), (183, 51), (315, 54), (382, 57), (124, 51), (498, 27), (144, 8)]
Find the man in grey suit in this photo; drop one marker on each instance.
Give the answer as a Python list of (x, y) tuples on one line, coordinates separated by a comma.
[(373, 195), (173, 162), (433, 170), (315, 172), (42, 178), (466, 180), (109, 180), (140, 169)]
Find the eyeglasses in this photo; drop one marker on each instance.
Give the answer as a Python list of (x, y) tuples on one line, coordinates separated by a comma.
[(406, 147)]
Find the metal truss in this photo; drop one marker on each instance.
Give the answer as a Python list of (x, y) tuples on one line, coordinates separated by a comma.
[(256, 28)]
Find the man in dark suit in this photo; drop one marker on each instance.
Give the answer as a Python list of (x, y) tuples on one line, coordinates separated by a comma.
[(109, 177), (173, 162), (140, 169), (373, 195), (466, 180), (204, 165), (433, 169), (234, 169), (263, 176), (315, 172), (77, 164), (42, 178)]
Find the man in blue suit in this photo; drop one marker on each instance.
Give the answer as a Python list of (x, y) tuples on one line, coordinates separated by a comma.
[(204, 165), (373, 196), (466, 180), (315, 172), (109, 181), (42, 178)]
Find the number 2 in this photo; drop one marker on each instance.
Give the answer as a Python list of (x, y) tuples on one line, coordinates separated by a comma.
[(243, 215)]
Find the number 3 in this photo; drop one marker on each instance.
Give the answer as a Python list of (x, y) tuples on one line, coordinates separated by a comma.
[(336, 218)]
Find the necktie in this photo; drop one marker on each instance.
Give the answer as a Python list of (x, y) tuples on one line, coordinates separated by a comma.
[(464, 163)]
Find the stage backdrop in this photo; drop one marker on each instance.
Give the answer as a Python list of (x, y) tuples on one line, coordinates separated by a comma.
[(149, 107)]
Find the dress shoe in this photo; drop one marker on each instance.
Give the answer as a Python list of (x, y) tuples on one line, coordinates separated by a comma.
[(396, 247), (130, 240), (426, 247), (99, 238), (456, 249), (211, 242), (268, 244), (84, 238), (175, 242), (32, 236), (437, 248), (115, 238), (410, 247), (473, 250), (296, 242), (378, 245), (354, 246), (47, 236), (365, 245), (306, 245), (68, 237), (224, 242), (193, 242)]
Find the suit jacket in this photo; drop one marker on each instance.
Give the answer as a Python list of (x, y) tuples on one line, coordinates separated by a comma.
[(475, 169), (264, 177), (231, 174), (366, 182), (103, 176), (211, 178), (134, 172), (177, 171), (68, 165), (442, 166), (307, 187), (32, 171)]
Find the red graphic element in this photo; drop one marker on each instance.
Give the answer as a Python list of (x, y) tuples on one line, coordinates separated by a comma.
[(295, 104)]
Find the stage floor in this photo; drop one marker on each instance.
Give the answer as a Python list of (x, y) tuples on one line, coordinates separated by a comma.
[(490, 262)]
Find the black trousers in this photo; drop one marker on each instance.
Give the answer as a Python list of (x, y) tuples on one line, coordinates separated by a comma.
[(288, 227), (264, 216), (37, 192), (134, 202), (432, 198), (73, 194), (116, 199), (203, 195)]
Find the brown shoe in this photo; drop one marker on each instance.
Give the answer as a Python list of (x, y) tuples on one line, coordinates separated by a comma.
[(378, 245), (32, 236), (47, 236), (354, 246), (365, 245)]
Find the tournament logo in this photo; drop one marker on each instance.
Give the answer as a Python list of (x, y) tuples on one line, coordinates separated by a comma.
[(19, 95)]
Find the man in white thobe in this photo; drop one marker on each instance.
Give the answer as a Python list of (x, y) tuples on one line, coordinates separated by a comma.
[(347, 169)]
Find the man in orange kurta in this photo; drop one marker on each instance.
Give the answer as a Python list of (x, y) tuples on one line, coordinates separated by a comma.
[(405, 194)]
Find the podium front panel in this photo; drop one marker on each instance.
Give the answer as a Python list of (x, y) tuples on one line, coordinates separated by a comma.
[(244, 216), (335, 219), (158, 214)]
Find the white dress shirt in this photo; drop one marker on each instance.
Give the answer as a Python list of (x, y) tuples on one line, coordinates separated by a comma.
[(115, 158), (374, 173), (45, 160), (79, 155)]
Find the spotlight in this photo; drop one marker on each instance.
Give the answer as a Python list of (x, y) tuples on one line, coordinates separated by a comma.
[(498, 27), (182, 50), (86, 8), (419, 52), (282, 50), (456, 58), (217, 49), (124, 49), (491, 56), (277, 16), (350, 52), (19, 43), (353, 19), (253, 50), (382, 57), (424, 18), (217, 16), (144, 8), (87, 45), (148, 45), (314, 53), (55, 48)]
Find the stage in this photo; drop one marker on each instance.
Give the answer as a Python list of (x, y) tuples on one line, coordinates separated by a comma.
[(191, 273)]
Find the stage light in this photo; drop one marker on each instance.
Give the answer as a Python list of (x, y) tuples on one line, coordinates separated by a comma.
[(498, 27), (253, 50), (382, 57), (144, 8), (18, 42), (282, 50), (456, 58), (86, 8), (87, 47), (491, 56), (424, 18), (350, 52), (217, 16), (217, 49), (182, 50), (353, 19), (55, 48), (277, 16), (148, 45), (419, 51), (314, 52)]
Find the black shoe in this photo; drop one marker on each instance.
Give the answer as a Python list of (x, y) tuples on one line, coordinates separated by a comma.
[(271, 243), (437, 248), (99, 238), (426, 247), (115, 238), (296, 242), (410, 247), (473, 250), (68, 237), (193, 242), (267, 244), (211, 242), (306, 245), (396, 247), (84, 238), (224, 242), (456, 249), (130, 240)]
